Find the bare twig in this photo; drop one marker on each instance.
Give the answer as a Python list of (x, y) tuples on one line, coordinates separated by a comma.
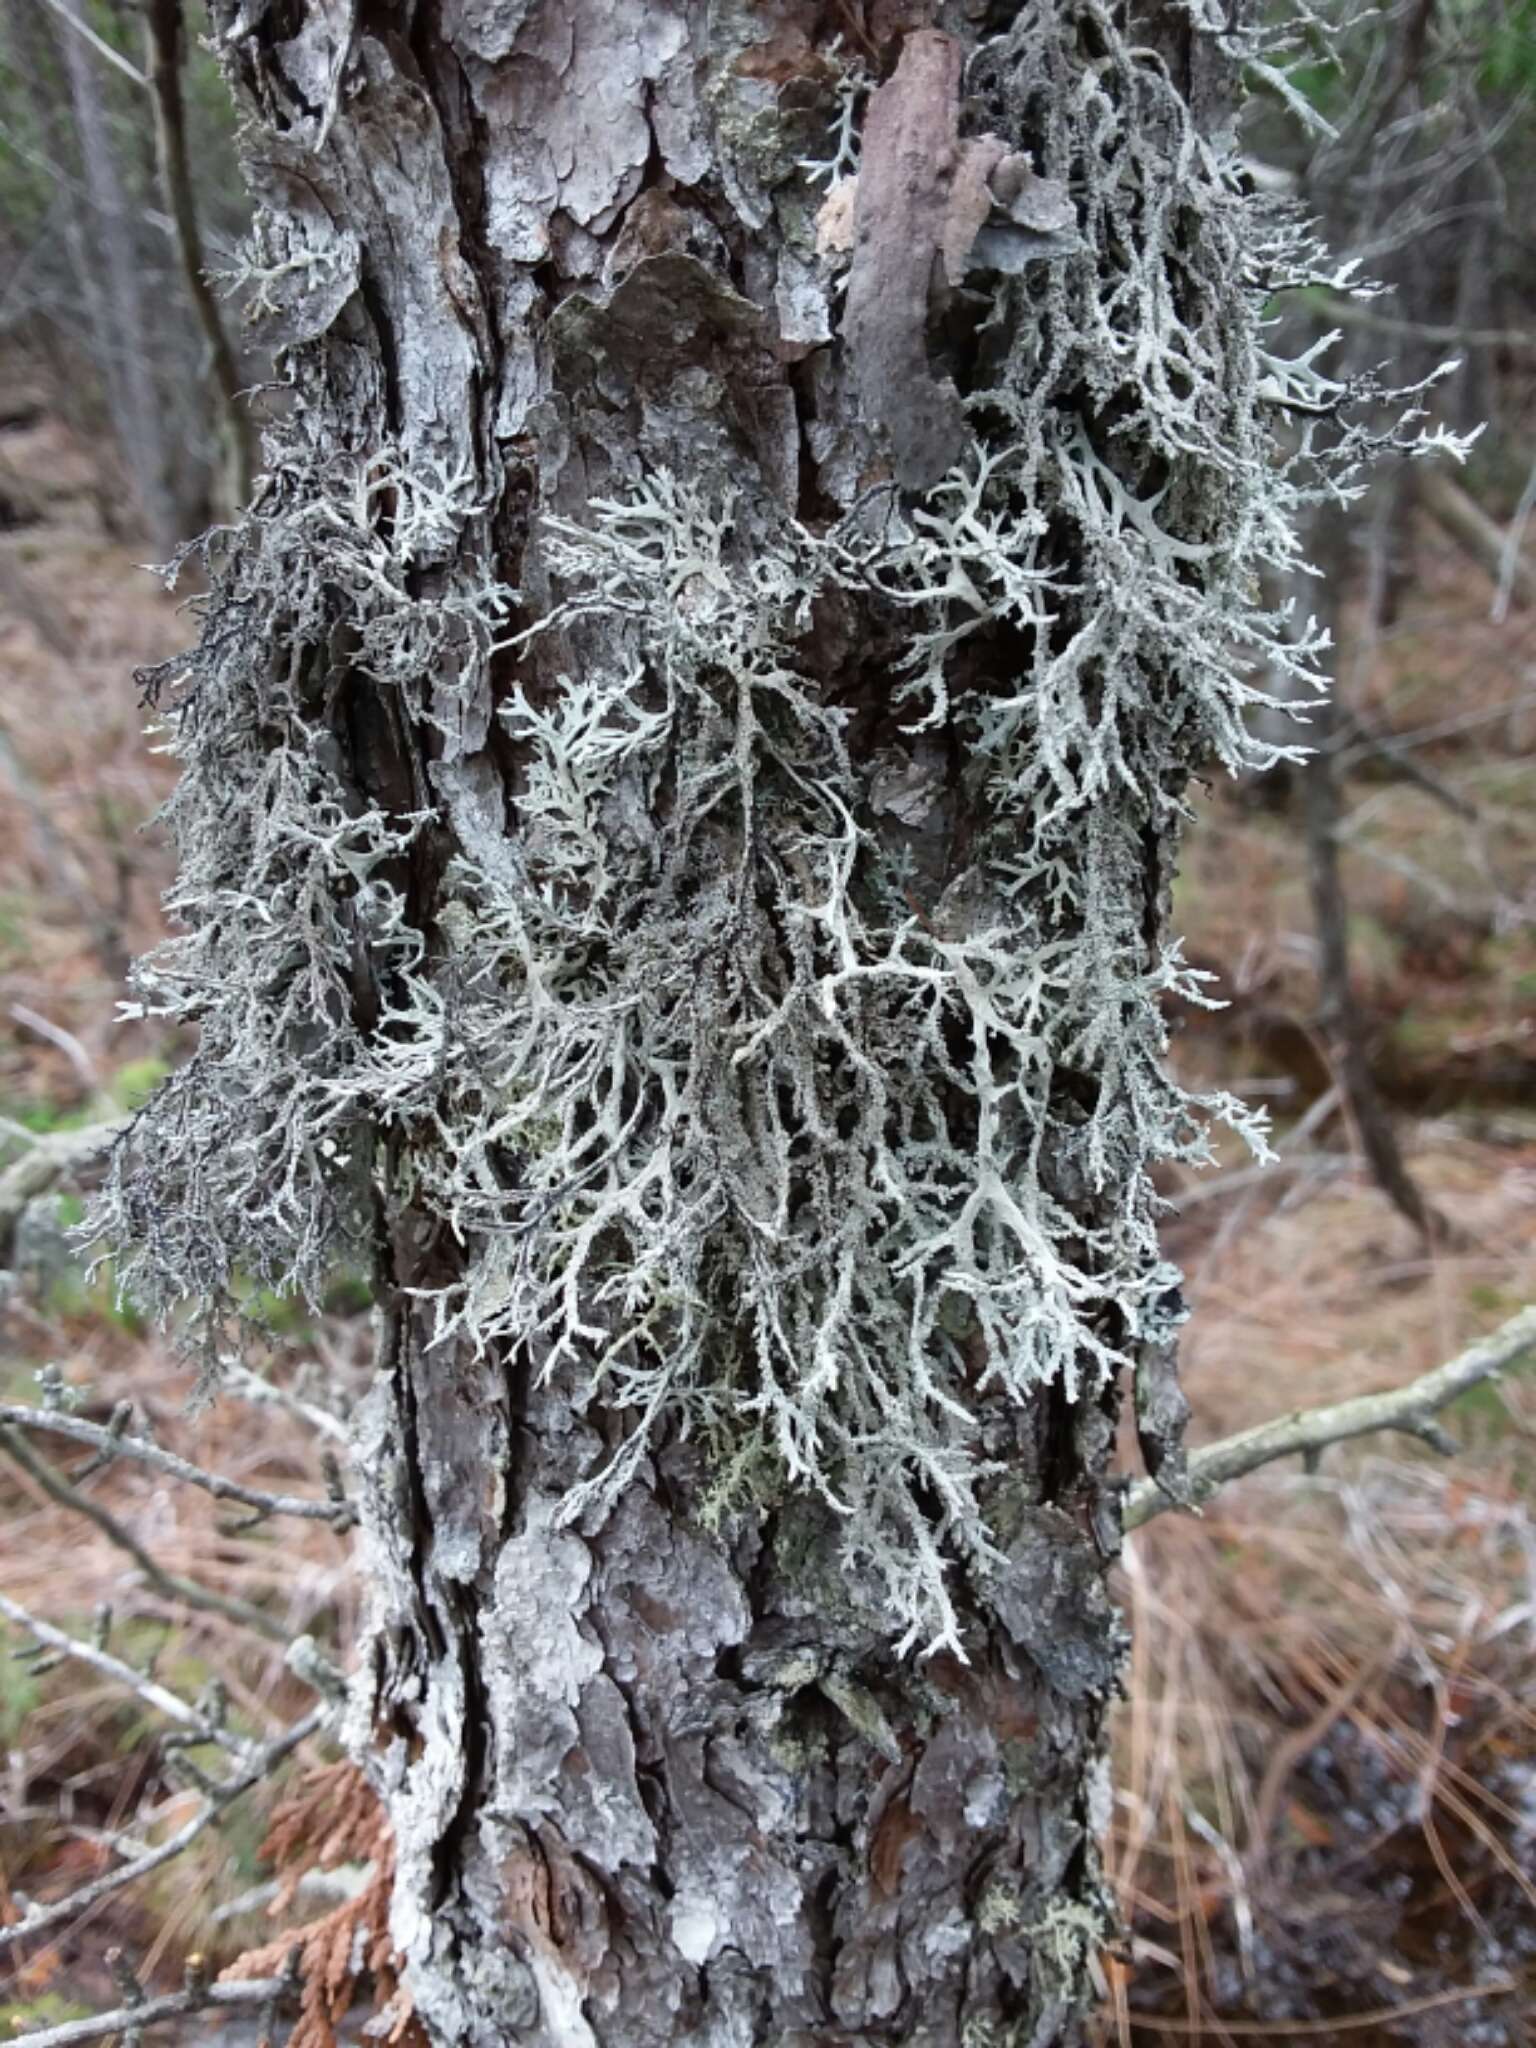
[(1446, 728), (1272, 1174), (1514, 540), (19, 596), (66, 1041), (239, 1380), (171, 1585), (224, 1795), (1339, 1013), (165, 36), (1305, 1432), (1371, 739), (102, 48), (1295, 2030), (67, 870), (137, 1682), (110, 1440), (136, 2014), (1481, 537), (151, 2012), (1356, 313), (1295, 1161)]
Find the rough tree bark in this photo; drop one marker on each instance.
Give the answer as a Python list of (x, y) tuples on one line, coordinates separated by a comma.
[(682, 773)]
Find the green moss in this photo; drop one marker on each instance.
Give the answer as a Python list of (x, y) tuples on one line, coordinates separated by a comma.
[(349, 1293), (44, 1117), (82, 1294), (49, 2009), (1481, 1409), (137, 1080), (1491, 1300), (13, 930), (19, 1694)]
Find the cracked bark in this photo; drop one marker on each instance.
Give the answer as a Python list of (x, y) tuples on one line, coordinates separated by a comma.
[(649, 1785)]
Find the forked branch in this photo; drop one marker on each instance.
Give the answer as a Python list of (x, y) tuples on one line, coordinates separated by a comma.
[(201, 1726), (170, 1585), (221, 1796)]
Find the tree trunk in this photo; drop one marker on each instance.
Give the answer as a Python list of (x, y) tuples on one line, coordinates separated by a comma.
[(112, 286), (164, 32), (683, 768), (1339, 1014)]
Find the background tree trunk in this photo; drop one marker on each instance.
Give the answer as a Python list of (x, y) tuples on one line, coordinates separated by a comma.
[(1344, 1028), (683, 771), (164, 33), (110, 279)]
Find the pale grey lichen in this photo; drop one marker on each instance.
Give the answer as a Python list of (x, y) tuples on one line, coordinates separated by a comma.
[(851, 92), (735, 1111)]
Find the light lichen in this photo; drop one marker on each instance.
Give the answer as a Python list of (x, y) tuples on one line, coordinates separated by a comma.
[(739, 1115)]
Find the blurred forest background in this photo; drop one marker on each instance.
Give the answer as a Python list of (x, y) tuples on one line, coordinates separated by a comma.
[(1326, 1807)]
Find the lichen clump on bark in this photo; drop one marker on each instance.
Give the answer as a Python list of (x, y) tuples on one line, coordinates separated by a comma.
[(745, 1100)]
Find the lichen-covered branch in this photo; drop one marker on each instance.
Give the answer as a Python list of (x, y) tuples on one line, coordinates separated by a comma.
[(1409, 1410), (46, 1161)]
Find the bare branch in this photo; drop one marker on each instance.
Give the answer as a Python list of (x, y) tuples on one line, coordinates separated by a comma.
[(1370, 740), (1514, 539), (152, 2012), (250, 1386), (104, 49), (66, 1041), (66, 868), (1355, 313), (1339, 1013), (1306, 1432), (171, 1584), (1198, 1193), (153, 1694), (1447, 728), (111, 1442), (165, 36), (1469, 525), (262, 1765), (1294, 1160)]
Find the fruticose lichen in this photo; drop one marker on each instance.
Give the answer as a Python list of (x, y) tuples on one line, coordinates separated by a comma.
[(735, 1111)]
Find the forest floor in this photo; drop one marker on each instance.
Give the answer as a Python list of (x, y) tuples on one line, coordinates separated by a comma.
[(1326, 1805)]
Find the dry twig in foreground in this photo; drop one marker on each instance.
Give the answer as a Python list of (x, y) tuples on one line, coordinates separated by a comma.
[(137, 2013)]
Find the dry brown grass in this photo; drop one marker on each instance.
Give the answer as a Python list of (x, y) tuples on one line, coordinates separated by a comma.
[(79, 879), (1328, 1763), (1327, 1759), (85, 1761)]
